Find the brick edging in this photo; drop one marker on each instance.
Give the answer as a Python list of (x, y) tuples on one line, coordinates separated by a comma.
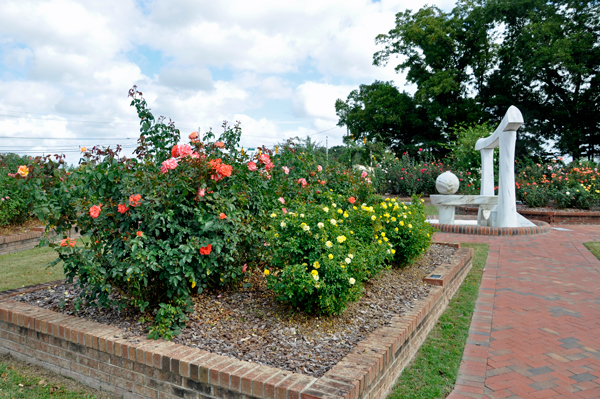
[(539, 228), (100, 356)]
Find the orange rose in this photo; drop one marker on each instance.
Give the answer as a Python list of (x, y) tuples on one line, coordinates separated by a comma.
[(205, 250), (95, 211), (222, 215), (23, 171), (139, 234)]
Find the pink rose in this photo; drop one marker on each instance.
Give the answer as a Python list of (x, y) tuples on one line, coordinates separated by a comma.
[(319, 168), (286, 170), (303, 182), (280, 199), (252, 166), (269, 166), (245, 268), (264, 158), (202, 192), (95, 211), (284, 210), (363, 174), (169, 164)]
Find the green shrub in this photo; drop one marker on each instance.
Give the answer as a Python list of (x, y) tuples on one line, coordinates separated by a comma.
[(183, 218), (323, 253)]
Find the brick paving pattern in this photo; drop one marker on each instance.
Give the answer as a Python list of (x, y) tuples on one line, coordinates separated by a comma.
[(535, 332)]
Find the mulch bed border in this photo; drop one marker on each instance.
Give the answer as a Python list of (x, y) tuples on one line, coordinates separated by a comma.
[(99, 356)]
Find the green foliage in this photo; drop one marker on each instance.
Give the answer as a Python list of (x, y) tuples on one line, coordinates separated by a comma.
[(323, 252), (463, 156), (575, 185), (472, 63), (379, 112), (548, 64), (447, 55), (22, 191), (185, 218)]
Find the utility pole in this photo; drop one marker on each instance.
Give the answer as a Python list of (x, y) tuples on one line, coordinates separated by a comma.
[(327, 149)]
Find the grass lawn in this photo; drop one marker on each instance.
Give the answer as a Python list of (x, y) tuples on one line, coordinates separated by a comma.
[(19, 380), (594, 248), (434, 370), (431, 210), (28, 267)]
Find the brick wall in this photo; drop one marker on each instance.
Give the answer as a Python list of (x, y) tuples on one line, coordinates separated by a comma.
[(24, 241), (551, 217), (101, 357)]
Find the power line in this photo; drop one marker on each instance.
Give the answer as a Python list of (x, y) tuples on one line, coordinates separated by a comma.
[(78, 121), (68, 138)]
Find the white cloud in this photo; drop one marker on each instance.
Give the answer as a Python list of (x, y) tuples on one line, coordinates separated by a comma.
[(317, 100), (67, 60)]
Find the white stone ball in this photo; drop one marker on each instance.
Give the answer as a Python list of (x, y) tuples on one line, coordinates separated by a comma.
[(447, 183)]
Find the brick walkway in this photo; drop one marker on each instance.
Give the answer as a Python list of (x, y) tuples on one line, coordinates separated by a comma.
[(536, 328)]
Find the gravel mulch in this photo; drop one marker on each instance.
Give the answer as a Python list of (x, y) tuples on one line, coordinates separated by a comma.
[(249, 324)]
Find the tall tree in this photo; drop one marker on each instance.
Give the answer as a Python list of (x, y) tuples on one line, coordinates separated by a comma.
[(548, 65), (379, 112), (447, 55), (472, 63)]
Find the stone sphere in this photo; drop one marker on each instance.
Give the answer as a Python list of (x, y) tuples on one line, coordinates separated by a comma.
[(447, 183)]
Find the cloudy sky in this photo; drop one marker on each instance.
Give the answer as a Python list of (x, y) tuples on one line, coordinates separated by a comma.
[(276, 66)]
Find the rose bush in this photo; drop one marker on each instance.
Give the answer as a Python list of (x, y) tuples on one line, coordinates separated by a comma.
[(324, 251), (182, 218)]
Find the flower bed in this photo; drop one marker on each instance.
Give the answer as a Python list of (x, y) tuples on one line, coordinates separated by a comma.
[(102, 357)]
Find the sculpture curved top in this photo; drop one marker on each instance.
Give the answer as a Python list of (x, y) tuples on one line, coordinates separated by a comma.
[(512, 121)]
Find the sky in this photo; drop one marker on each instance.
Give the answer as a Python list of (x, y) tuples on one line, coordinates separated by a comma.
[(275, 66)]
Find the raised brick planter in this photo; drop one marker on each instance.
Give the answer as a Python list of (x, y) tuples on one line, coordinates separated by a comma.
[(25, 241), (99, 356), (551, 217)]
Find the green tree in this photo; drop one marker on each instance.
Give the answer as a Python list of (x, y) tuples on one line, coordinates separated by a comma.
[(379, 112), (548, 65), (447, 55)]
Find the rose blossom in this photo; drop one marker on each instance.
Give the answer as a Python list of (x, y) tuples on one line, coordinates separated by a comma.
[(303, 182), (264, 159), (363, 174), (252, 166), (280, 199), (123, 208), (193, 135), (169, 164), (286, 170), (205, 250), (319, 168), (95, 211)]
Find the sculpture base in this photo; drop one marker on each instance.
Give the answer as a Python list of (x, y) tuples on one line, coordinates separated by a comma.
[(471, 227)]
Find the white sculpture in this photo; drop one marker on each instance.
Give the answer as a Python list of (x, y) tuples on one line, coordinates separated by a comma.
[(494, 211), (447, 183), (504, 137)]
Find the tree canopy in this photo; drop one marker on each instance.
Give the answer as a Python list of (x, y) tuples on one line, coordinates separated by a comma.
[(472, 63)]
